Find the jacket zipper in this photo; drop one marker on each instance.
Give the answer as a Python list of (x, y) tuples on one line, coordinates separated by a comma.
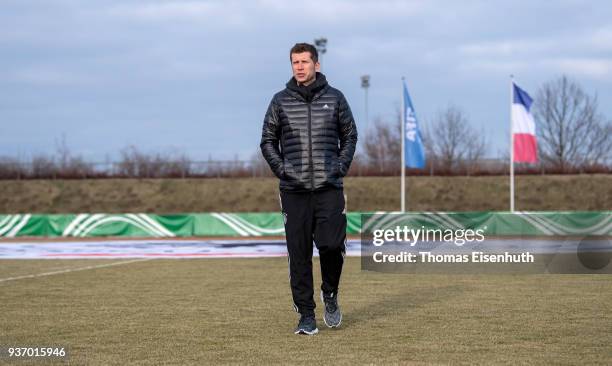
[(310, 148)]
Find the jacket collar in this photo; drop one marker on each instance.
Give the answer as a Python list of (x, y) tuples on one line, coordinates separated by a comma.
[(310, 92)]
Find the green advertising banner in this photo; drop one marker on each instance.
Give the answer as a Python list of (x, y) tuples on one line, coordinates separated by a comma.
[(271, 224)]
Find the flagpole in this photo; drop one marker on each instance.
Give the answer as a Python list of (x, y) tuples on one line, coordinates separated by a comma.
[(403, 158), (511, 146)]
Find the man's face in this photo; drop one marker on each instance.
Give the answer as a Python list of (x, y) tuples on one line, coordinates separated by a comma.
[(304, 69)]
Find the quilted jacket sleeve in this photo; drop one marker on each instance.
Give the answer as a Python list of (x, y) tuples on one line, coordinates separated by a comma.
[(270, 138), (348, 135)]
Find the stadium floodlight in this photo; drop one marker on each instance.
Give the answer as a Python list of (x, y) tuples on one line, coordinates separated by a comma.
[(321, 46), (365, 84)]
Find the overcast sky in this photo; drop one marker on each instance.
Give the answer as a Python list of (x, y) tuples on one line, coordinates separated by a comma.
[(195, 77)]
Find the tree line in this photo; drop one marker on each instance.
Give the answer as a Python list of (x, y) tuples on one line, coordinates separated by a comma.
[(573, 137)]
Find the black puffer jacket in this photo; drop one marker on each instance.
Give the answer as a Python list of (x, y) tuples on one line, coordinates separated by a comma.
[(309, 136)]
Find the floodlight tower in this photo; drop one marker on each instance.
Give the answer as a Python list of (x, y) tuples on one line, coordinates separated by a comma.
[(365, 84), (321, 46)]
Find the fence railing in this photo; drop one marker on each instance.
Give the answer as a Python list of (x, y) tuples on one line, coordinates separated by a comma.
[(167, 169), (252, 168)]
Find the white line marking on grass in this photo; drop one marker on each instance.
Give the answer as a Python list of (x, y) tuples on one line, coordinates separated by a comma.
[(73, 270)]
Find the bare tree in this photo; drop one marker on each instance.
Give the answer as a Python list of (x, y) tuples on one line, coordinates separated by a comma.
[(475, 150), (135, 163), (453, 142), (62, 152), (43, 166), (64, 163), (382, 146), (571, 132), (11, 168), (259, 165)]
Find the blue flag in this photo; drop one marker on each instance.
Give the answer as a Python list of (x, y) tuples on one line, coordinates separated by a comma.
[(414, 153)]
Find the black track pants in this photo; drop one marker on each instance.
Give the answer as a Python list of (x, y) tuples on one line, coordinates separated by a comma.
[(318, 216)]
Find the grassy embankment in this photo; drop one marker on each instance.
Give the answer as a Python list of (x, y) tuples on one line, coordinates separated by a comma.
[(574, 192)]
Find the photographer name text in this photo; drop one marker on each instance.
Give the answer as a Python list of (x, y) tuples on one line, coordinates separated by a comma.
[(473, 257)]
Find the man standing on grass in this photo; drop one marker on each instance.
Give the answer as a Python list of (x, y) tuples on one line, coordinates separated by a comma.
[(308, 139)]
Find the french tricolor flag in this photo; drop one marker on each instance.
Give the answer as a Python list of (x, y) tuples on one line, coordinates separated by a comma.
[(523, 127)]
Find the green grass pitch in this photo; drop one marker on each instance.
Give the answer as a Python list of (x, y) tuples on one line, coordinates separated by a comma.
[(238, 311)]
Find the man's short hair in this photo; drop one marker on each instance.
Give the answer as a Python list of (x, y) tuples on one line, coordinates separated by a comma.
[(305, 47)]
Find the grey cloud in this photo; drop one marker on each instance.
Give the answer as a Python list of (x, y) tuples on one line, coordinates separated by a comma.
[(201, 66)]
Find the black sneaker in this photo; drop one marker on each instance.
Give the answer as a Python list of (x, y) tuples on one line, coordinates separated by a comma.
[(307, 325), (332, 316)]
